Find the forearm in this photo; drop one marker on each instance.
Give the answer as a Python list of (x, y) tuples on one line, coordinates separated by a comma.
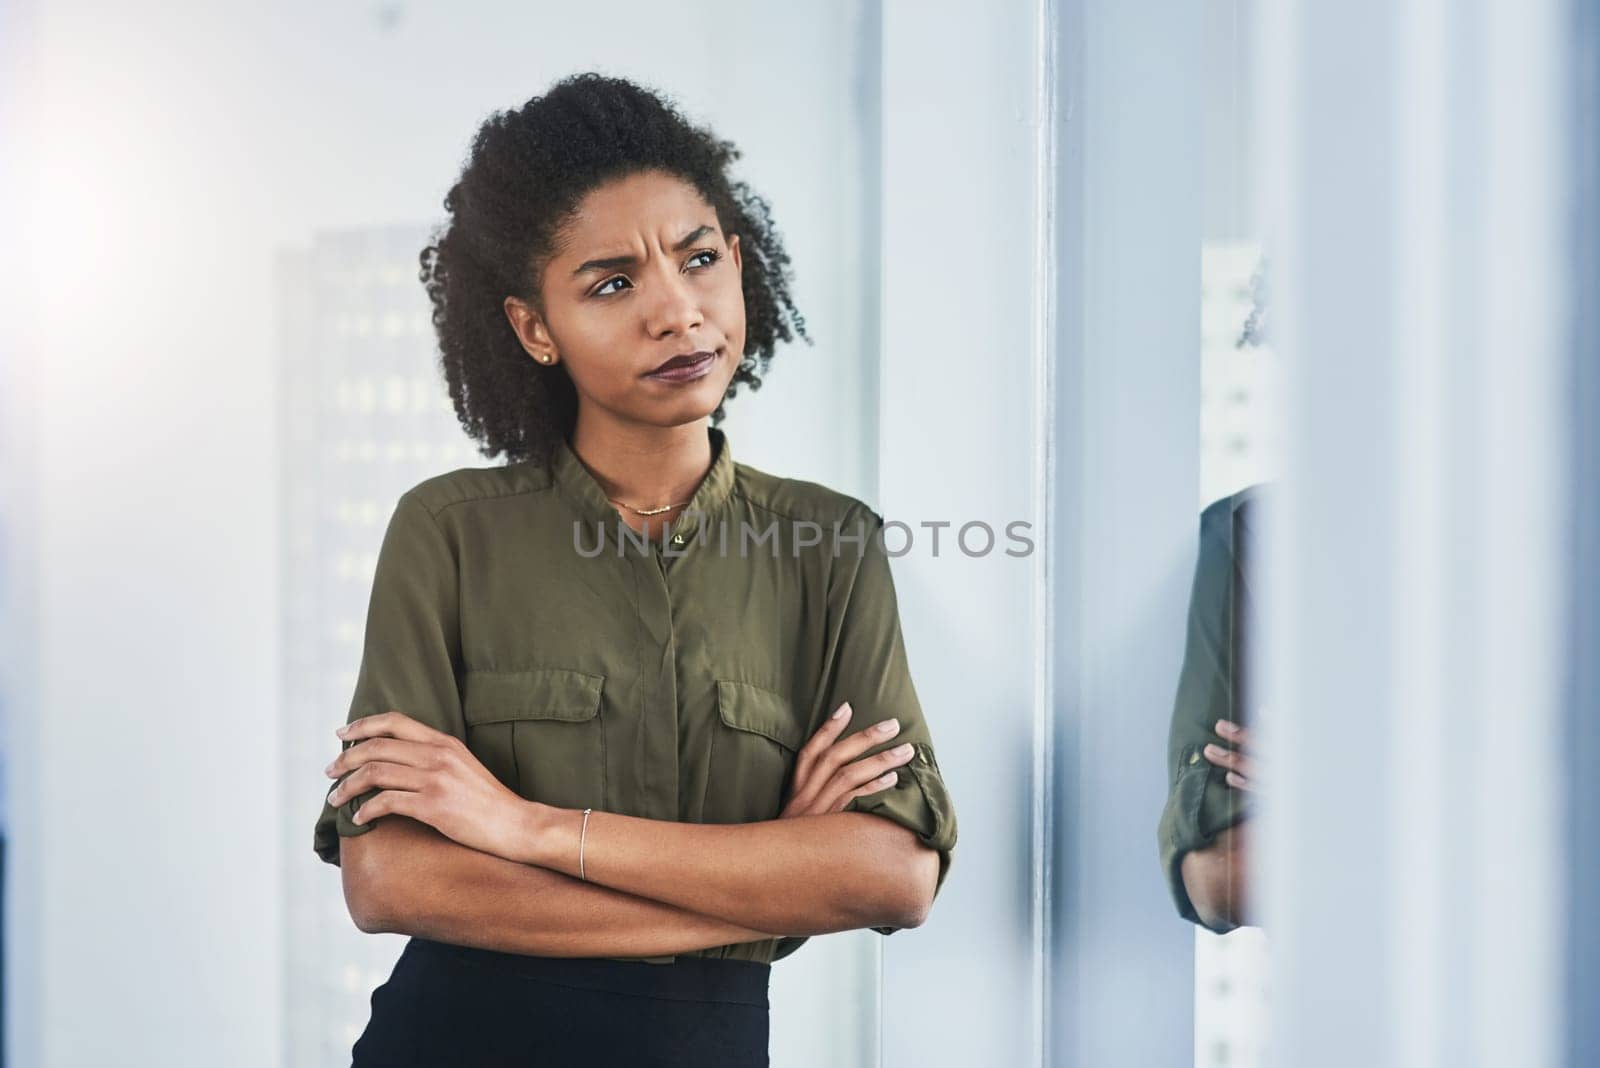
[(806, 875), (404, 877), (1216, 879)]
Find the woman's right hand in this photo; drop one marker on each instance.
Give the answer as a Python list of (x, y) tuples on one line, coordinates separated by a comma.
[(827, 773)]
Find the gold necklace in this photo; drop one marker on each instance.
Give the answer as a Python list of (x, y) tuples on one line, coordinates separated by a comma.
[(648, 511)]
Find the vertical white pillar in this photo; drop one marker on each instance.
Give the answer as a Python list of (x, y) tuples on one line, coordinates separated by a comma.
[(1414, 626), (1125, 446), (1583, 642), (965, 183)]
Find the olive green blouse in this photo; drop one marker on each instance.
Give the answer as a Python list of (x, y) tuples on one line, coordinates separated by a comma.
[(587, 666), (1212, 685)]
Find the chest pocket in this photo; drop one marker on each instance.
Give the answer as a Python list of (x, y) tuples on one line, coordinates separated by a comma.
[(539, 732), (753, 750)]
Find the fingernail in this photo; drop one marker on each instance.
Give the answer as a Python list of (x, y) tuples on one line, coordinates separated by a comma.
[(1213, 750), (888, 726), (842, 711), (1226, 726), (902, 750), (342, 730), (329, 769)]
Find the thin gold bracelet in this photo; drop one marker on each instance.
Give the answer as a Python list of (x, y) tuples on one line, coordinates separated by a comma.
[(581, 836)]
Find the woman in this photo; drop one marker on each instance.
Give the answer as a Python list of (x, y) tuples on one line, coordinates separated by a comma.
[(613, 748), (1207, 823)]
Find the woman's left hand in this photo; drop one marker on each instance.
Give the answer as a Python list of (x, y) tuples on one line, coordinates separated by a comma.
[(432, 777)]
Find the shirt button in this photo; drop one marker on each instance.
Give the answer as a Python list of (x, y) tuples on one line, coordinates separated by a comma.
[(677, 539), (1194, 758)]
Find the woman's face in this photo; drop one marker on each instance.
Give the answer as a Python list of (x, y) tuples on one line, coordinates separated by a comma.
[(642, 273)]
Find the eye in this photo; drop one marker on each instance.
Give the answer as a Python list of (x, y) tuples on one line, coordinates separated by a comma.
[(706, 256)]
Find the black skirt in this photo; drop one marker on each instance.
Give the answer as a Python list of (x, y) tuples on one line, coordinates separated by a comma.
[(459, 1006)]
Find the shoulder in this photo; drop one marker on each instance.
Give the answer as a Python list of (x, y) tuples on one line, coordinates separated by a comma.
[(467, 485), (1224, 517), (1226, 524), (794, 498), (1215, 559), (1216, 526)]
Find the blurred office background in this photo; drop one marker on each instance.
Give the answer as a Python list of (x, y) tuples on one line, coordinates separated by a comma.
[(1036, 244)]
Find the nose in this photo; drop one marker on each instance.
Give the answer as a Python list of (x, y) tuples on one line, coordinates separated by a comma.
[(676, 309)]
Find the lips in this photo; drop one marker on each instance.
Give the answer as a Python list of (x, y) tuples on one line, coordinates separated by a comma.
[(685, 359)]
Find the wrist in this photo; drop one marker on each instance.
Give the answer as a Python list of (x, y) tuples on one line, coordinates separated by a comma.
[(532, 823), (549, 837)]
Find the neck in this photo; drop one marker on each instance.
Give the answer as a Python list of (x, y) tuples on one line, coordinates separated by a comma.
[(644, 466)]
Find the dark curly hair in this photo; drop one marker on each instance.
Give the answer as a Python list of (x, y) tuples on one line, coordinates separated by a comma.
[(526, 173)]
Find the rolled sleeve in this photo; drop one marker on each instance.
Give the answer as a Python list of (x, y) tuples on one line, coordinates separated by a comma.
[(869, 669), (411, 655), (919, 801), (1200, 803)]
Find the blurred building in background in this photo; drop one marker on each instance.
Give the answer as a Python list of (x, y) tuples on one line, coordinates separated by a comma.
[(364, 416), (1239, 376), (1239, 447)]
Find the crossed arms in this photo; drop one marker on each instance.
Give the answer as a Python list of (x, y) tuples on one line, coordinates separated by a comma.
[(673, 888), (448, 852)]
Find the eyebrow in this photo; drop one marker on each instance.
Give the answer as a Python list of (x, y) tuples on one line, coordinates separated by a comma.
[(613, 262)]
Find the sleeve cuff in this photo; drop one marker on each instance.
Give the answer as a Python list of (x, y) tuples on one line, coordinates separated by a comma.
[(1200, 806), (337, 823), (920, 802)]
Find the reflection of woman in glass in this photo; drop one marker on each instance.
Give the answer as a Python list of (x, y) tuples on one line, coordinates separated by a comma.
[(1205, 826), (592, 765)]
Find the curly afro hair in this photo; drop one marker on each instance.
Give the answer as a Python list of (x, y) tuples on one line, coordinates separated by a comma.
[(526, 173)]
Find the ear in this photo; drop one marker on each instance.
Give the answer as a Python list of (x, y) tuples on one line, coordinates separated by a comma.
[(531, 330), (733, 251)]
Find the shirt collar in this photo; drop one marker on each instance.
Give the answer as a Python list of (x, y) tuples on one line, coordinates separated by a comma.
[(580, 487)]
